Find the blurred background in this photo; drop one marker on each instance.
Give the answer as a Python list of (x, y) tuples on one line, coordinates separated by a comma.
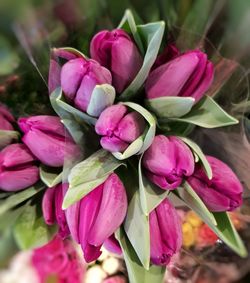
[(30, 28)]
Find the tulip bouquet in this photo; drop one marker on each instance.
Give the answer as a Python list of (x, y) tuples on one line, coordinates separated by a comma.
[(115, 159)]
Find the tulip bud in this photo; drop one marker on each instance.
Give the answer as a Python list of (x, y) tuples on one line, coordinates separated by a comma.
[(91, 219), (57, 56), (52, 209), (47, 139), (6, 119), (223, 192), (116, 51), (79, 77), (119, 128), (165, 233), (167, 161), (190, 74), (18, 169)]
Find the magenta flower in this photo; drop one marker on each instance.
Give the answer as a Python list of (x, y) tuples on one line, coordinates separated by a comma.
[(47, 139), (170, 52), (168, 161), (79, 77), (58, 259), (18, 168), (190, 74), (57, 56), (90, 220), (165, 233), (119, 128), (116, 51), (223, 192), (115, 279), (6, 119), (52, 209)]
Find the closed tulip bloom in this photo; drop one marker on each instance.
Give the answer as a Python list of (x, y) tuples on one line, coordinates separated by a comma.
[(79, 77), (119, 128), (168, 161), (47, 139), (52, 209), (165, 233), (189, 74), (6, 119), (18, 168), (223, 192), (116, 51), (91, 224)]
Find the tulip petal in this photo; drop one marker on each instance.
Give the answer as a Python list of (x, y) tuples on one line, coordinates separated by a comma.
[(114, 202), (72, 216), (48, 206), (112, 245), (113, 144), (130, 127)]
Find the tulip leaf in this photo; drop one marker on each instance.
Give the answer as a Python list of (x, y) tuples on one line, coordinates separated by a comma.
[(88, 174), (136, 226), (226, 231), (50, 176), (150, 134), (193, 201), (151, 35), (208, 114), (30, 230), (150, 195), (201, 156), (6, 137), (102, 97), (136, 272), (19, 197), (170, 106)]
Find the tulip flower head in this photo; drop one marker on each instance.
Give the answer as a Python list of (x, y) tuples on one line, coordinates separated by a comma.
[(119, 128), (165, 233), (223, 192), (18, 168), (90, 222), (190, 74), (116, 51), (52, 209), (47, 139), (168, 161), (79, 77)]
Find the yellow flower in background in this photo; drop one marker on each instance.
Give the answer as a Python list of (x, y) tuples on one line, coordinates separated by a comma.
[(193, 219), (188, 233)]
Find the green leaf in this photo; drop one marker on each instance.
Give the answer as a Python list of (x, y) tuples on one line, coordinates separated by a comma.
[(88, 174), (30, 230), (208, 114), (136, 226), (143, 142), (228, 234), (150, 195), (151, 36), (170, 106), (8, 248), (136, 272), (6, 137), (193, 201), (102, 97), (201, 156), (50, 176), (18, 198)]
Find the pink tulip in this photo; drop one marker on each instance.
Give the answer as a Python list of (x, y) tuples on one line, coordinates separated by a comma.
[(91, 223), (165, 233), (6, 119), (18, 168), (79, 78), (190, 74), (47, 139), (168, 161), (52, 209), (58, 259), (119, 128), (116, 51), (170, 52), (223, 192)]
